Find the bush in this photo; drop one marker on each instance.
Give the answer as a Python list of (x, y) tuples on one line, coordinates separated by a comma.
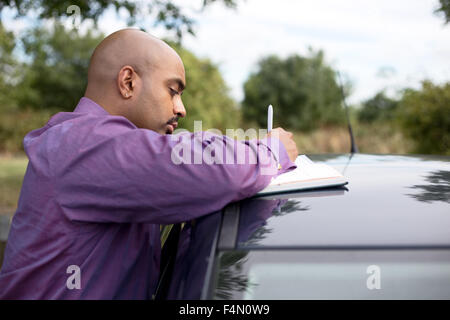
[(15, 124), (424, 116), (206, 97), (378, 108), (303, 91)]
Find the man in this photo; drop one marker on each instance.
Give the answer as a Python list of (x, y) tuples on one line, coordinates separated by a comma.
[(101, 179)]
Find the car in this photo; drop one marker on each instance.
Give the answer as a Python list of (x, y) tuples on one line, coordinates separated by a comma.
[(385, 235)]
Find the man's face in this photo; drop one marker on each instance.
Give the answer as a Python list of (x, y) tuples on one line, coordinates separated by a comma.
[(159, 104)]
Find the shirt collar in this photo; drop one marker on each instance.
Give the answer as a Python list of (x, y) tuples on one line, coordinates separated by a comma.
[(86, 105)]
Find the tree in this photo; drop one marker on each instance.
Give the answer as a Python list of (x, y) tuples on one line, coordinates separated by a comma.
[(303, 91), (8, 65), (206, 97), (444, 9), (423, 115), (378, 108), (56, 77), (164, 12)]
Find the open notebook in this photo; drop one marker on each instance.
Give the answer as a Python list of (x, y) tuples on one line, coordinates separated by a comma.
[(307, 175)]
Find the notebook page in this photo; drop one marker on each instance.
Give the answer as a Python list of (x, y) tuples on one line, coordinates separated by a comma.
[(306, 170)]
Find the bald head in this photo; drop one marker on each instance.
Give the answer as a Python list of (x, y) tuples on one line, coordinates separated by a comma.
[(131, 73), (125, 47)]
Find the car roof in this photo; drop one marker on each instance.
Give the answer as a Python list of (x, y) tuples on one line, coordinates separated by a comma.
[(390, 201)]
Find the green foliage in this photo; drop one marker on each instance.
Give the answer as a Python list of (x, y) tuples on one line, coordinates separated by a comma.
[(303, 91), (56, 77), (12, 171), (8, 66), (424, 116), (165, 12), (444, 9), (206, 95), (15, 124), (378, 108)]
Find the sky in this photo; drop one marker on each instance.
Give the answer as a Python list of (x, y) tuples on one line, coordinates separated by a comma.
[(375, 44)]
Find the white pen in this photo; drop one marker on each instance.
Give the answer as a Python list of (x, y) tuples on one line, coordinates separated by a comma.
[(269, 118)]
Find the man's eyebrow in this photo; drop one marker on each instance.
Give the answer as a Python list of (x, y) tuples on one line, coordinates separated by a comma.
[(179, 82)]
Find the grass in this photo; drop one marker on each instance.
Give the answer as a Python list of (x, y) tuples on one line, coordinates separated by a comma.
[(12, 170), (382, 139), (369, 138), (324, 140)]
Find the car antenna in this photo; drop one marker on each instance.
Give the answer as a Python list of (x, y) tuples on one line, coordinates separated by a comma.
[(353, 147)]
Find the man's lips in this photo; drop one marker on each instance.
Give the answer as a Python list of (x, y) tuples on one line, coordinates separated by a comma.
[(172, 126)]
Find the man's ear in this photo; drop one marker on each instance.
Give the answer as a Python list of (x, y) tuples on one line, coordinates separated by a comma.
[(126, 81)]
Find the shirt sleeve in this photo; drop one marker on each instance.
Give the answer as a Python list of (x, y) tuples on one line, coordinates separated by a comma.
[(137, 175)]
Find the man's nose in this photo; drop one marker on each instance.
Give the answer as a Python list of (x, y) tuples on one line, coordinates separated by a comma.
[(178, 108)]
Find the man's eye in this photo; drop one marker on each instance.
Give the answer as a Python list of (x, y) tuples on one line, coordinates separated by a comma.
[(173, 92)]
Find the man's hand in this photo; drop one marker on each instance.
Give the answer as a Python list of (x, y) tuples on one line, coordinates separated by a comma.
[(286, 138)]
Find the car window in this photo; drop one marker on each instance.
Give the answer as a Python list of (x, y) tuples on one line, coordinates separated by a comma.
[(333, 274)]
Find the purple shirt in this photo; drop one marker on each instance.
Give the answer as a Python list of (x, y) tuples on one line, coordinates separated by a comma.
[(95, 191)]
